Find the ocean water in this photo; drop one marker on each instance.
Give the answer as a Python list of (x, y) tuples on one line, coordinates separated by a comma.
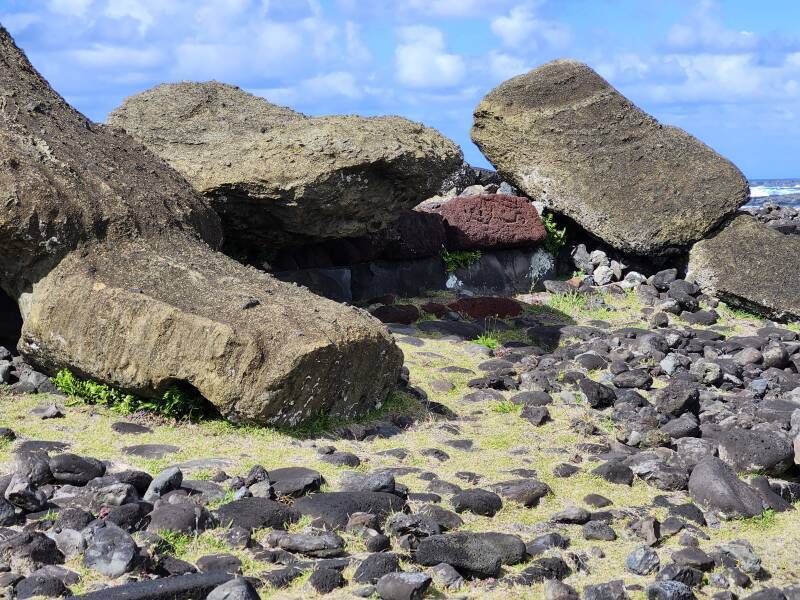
[(779, 191)]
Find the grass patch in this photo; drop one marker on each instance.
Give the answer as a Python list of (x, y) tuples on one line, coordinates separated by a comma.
[(488, 340), (569, 302), (765, 520), (175, 402), (733, 313), (794, 326), (506, 406), (397, 402), (227, 498), (174, 543), (459, 259)]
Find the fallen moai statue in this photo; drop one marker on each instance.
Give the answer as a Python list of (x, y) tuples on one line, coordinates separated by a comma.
[(112, 257)]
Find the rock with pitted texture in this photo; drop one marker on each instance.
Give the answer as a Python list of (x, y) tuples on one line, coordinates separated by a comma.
[(752, 266), (278, 177), (491, 221), (564, 136), (112, 259), (481, 308)]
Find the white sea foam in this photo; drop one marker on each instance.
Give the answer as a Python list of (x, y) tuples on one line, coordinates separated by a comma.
[(762, 191)]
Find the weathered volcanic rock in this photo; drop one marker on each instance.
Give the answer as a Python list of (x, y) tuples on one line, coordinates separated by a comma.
[(277, 176), (112, 258), (563, 135), (491, 221), (414, 234), (752, 266), (334, 508), (715, 486), (480, 308)]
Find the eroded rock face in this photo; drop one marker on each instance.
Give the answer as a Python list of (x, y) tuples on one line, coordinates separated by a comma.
[(750, 265), (563, 135), (112, 258), (278, 177)]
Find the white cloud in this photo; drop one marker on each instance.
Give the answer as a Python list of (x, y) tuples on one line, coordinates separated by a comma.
[(339, 83), (417, 9), (724, 78), (522, 28), (73, 8), (19, 22), (625, 66), (356, 50), (422, 61), (328, 86), (101, 56), (133, 9), (704, 31), (504, 66), (452, 8)]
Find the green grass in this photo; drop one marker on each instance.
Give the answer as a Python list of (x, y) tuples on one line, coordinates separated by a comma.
[(505, 407), (556, 237), (488, 340), (731, 312), (174, 543), (175, 403), (459, 259), (397, 402), (569, 303), (794, 326), (228, 497), (764, 521)]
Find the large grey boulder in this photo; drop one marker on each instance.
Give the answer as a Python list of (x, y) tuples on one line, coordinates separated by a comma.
[(278, 177), (751, 266), (112, 258), (565, 136), (715, 487)]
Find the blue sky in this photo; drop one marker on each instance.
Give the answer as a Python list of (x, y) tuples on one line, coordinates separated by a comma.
[(727, 71)]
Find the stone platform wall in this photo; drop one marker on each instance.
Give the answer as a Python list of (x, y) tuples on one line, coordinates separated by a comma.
[(497, 272)]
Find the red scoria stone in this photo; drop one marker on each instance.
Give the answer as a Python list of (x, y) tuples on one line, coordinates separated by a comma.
[(491, 221), (480, 308)]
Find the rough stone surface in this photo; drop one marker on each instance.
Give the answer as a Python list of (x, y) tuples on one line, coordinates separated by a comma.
[(470, 553), (491, 221), (126, 258), (564, 136), (334, 508), (276, 176), (715, 486), (752, 266)]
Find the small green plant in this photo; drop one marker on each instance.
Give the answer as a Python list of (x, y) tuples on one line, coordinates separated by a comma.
[(173, 542), (579, 274), (90, 392), (765, 520), (228, 497), (569, 302), (459, 259), (556, 238), (488, 340), (794, 326), (175, 402), (506, 406)]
